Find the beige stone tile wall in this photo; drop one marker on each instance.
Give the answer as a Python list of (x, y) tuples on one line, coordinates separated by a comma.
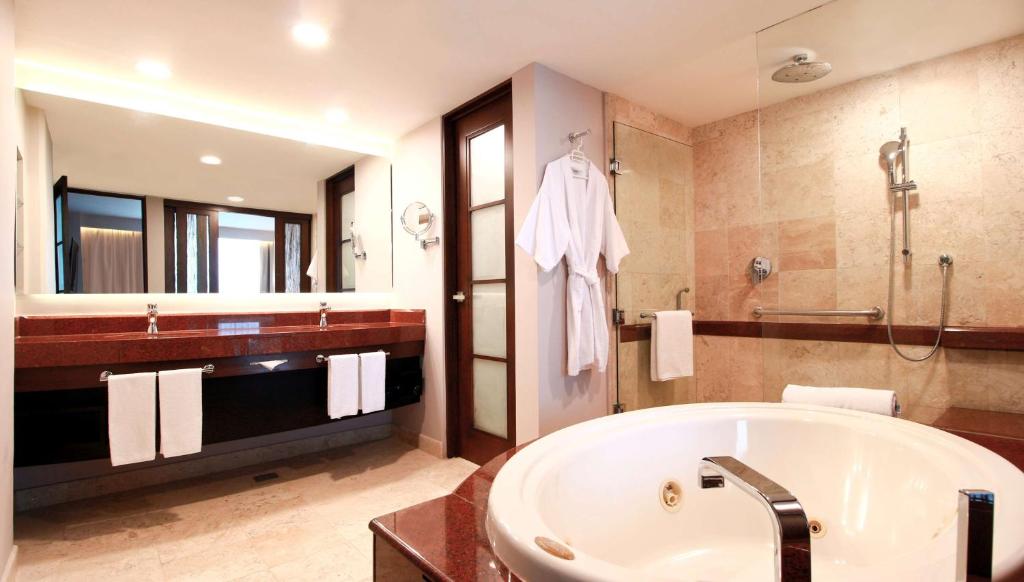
[(806, 173), (800, 183)]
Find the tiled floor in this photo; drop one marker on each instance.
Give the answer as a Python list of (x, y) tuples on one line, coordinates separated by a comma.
[(310, 523)]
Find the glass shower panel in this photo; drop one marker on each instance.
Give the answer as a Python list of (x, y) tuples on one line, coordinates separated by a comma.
[(654, 203)]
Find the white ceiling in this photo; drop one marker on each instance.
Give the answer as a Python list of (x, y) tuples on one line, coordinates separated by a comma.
[(396, 64), (119, 150)]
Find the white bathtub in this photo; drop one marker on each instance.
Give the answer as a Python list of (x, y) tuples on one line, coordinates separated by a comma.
[(885, 490)]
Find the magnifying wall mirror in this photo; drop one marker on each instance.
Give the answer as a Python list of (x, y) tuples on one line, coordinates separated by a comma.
[(417, 220)]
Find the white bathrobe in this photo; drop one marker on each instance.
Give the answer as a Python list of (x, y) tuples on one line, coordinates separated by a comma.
[(575, 218)]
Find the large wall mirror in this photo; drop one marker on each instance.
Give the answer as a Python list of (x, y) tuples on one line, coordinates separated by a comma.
[(124, 201)]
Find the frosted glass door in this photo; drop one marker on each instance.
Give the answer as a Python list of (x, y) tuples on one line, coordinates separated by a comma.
[(489, 307)]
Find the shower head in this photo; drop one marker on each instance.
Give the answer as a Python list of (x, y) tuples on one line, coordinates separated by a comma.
[(890, 152), (802, 71)]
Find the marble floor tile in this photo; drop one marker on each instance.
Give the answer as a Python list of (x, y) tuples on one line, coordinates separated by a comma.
[(308, 523)]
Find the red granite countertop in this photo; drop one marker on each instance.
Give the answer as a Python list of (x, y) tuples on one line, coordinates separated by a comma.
[(447, 539), (46, 342)]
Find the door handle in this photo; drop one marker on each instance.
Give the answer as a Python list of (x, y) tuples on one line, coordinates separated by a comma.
[(459, 297)]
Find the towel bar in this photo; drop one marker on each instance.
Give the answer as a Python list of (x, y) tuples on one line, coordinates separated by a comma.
[(105, 374), (322, 359)]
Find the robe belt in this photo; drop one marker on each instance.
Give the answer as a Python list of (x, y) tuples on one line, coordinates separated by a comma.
[(588, 275)]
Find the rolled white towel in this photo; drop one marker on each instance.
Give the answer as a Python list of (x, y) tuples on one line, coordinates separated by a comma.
[(865, 399)]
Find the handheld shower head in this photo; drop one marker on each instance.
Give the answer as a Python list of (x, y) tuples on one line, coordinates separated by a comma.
[(890, 152)]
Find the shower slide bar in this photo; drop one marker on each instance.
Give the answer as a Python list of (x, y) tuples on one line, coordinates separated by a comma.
[(875, 312)]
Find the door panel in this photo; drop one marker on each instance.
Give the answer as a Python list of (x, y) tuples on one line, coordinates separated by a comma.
[(479, 225)]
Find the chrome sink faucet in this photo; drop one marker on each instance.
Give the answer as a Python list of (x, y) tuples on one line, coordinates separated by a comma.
[(323, 314), (789, 522), (151, 313)]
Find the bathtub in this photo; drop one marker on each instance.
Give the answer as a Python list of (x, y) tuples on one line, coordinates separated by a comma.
[(884, 491)]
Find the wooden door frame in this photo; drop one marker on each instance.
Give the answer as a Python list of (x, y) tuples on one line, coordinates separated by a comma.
[(450, 161), (333, 227)]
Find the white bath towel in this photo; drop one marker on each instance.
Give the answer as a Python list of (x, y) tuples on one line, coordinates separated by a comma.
[(181, 411), (372, 367), (342, 385), (131, 417), (864, 399), (671, 345)]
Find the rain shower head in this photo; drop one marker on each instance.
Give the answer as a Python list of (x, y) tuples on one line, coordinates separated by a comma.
[(802, 71)]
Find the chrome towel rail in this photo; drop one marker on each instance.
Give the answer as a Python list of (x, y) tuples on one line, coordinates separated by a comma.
[(875, 312), (105, 374), (322, 359)]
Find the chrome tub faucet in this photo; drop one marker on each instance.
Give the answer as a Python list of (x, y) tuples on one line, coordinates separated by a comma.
[(151, 313), (323, 314), (789, 522)]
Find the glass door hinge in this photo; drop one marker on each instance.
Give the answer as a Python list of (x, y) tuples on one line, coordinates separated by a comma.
[(618, 316), (618, 408), (615, 167)]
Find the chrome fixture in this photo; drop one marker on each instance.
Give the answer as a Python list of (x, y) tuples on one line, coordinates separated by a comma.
[(975, 518), (323, 314), (151, 313), (789, 522), (895, 153), (875, 312), (459, 297), (648, 315), (106, 374), (680, 302), (322, 359), (417, 219), (362, 253), (759, 269), (802, 70)]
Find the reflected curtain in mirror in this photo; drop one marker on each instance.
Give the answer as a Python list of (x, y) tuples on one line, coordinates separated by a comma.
[(112, 261)]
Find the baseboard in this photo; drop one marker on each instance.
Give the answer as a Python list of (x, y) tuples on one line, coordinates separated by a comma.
[(35, 497), (10, 571), (420, 441)]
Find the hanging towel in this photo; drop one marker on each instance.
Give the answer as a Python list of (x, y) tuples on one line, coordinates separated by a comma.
[(313, 271), (342, 385), (864, 399), (181, 411), (371, 381), (671, 345), (131, 417)]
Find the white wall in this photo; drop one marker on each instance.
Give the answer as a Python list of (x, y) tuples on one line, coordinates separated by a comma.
[(419, 278), (36, 147), (8, 175), (373, 222), (547, 106)]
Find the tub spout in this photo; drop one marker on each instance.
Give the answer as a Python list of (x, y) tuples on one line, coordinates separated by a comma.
[(792, 536)]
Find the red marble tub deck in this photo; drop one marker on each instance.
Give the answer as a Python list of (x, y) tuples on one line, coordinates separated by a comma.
[(446, 537), (46, 342)]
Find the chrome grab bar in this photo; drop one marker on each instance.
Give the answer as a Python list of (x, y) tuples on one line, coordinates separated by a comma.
[(322, 359), (789, 522), (875, 312), (975, 517)]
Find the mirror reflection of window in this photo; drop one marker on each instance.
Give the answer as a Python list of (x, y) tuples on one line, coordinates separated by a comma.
[(99, 241), (246, 253)]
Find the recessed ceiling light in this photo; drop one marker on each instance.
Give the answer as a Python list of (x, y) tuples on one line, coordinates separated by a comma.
[(309, 34), (336, 115), (153, 69), (236, 199), (210, 160)]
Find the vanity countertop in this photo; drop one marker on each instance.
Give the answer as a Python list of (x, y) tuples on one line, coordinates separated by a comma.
[(60, 341)]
